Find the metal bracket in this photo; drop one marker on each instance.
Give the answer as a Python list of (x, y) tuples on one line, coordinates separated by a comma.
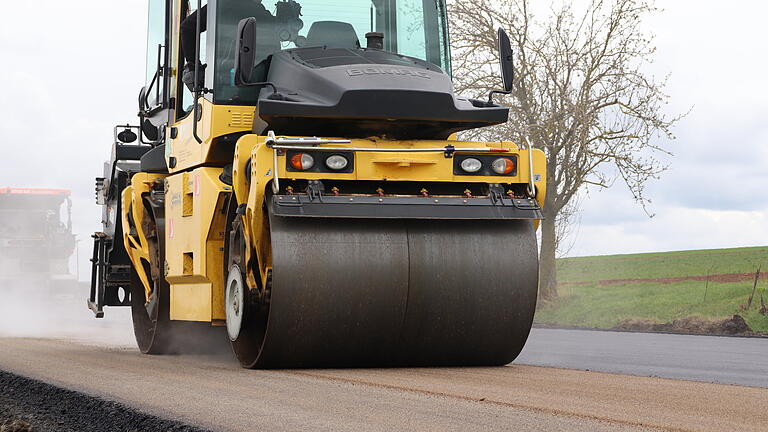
[(278, 142), (449, 151), (496, 193), (313, 143), (98, 267), (315, 189), (107, 280)]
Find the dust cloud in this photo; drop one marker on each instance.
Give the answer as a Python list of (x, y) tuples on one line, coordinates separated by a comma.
[(58, 310), (40, 295)]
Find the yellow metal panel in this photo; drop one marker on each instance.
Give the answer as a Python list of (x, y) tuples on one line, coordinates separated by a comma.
[(180, 238), (191, 302), (240, 118), (195, 205), (215, 253), (214, 121), (405, 166)]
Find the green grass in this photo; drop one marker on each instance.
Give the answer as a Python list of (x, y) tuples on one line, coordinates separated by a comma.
[(587, 303), (663, 264)]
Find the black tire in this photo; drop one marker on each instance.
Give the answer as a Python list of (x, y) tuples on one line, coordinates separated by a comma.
[(150, 329), (152, 325), (155, 332), (159, 335)]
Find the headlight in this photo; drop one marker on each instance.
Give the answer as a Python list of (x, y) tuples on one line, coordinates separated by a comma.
[(471, 165), (336, 162), (302, 161), (503, 166)]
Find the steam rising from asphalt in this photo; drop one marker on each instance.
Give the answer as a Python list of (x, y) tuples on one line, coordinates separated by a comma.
[(38, 310)]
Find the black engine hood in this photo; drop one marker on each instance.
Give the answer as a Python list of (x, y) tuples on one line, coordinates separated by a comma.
[(359, 93)]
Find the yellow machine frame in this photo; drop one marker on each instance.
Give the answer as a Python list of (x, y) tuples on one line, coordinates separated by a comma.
[(196, 200)]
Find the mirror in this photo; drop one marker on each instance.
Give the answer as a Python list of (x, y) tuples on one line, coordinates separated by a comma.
[(143, 99), (127, 136), (507, 60), (245, 52)]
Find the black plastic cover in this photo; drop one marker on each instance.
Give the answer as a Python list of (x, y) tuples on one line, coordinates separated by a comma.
[(153, 161), (360, 93)]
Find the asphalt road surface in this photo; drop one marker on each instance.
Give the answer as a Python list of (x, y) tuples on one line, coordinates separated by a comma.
[(724, 360), (70, 349), (213, 392)]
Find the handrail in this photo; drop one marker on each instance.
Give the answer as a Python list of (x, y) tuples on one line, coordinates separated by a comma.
[(196, 114), (531, 185)]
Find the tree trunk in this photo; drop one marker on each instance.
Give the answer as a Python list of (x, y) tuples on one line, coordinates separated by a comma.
[(548, 270)]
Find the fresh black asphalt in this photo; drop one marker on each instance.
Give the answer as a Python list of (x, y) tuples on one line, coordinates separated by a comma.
[(30, 405), (716, 359)]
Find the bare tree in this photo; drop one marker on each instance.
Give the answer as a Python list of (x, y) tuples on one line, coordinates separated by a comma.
[(580, 94)]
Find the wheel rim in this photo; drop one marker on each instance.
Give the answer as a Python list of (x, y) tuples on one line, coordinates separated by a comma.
[(234, 302)]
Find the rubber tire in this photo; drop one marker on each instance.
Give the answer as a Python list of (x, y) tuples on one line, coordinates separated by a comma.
[(159, 334), (152, 333)]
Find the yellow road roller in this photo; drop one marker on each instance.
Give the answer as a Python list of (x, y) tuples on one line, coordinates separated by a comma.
[(295, 183)]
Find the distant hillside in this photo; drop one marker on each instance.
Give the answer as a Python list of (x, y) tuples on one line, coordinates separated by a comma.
[(604, 291)]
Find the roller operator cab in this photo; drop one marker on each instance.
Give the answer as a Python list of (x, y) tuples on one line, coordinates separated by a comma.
[(295, 183)]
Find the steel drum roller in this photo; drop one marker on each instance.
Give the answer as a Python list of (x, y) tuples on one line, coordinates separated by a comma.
[(374, 292)]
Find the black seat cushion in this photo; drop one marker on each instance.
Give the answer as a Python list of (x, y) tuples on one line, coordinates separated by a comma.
[(332, 34)]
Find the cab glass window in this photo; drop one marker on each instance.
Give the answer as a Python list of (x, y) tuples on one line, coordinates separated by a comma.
[(414, 28), (155, 51), (187, 97)]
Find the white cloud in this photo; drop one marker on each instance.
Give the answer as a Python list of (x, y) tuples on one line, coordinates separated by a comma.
[(716, 191), (675, 228)]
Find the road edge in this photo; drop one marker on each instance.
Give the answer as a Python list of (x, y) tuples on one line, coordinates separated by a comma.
[(618, 330)]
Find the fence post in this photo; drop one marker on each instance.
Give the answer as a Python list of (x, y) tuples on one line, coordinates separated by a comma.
[(754, 288)]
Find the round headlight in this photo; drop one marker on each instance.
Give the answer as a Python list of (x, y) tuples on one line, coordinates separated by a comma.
[(336, 162), (503, 166), (302, 161), (471, 165)]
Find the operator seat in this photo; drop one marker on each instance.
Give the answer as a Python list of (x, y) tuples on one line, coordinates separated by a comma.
[(332, 34)]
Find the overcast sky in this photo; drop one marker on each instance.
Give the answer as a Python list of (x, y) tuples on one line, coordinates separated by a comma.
[(716, 191), (72, 70)]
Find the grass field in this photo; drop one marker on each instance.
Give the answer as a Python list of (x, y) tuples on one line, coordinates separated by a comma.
[(601, 291)]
